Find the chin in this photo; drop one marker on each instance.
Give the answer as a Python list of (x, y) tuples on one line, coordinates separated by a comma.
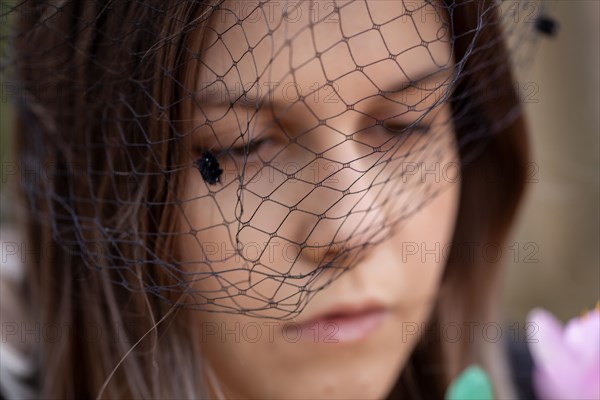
[(363, 378), (374, 390)]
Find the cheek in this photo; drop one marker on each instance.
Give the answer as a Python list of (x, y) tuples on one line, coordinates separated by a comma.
[(426, 244), (429, 233), (420, 247), (204, 231)]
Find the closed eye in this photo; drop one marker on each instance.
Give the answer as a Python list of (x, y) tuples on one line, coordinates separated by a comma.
[(248, 148), (405, 129)]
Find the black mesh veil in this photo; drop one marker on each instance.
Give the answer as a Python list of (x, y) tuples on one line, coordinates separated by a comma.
[(239, 156)]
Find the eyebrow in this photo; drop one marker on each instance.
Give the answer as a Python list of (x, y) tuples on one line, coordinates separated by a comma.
[(422, 77), (221, 99)]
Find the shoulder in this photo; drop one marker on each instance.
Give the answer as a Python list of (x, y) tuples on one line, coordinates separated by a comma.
[(17, 371), (16, 374)]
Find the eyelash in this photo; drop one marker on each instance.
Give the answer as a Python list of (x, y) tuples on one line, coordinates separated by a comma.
[(406, 129), (396, 130), (247, 148)]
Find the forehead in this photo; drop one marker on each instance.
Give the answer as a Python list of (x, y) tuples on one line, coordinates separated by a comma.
[(284, 50)]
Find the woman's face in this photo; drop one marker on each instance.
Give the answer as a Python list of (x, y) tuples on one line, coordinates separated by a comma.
[(335, 194)]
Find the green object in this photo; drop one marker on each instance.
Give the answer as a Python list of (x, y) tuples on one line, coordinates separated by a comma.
[(473, 383)]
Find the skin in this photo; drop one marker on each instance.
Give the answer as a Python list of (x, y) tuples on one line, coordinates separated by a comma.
[(256, 357)]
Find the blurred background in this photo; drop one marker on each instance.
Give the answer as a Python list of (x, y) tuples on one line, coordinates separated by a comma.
[(557, 265), (553, 258)]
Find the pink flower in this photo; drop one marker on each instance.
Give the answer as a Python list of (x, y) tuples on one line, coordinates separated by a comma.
[(567, 359)]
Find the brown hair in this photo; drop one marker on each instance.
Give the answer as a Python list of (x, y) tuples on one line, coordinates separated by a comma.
[(98, 60)]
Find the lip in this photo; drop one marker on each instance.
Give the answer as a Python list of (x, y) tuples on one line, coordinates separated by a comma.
[(345, 323)]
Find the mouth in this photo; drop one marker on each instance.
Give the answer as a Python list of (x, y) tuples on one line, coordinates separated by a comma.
[(343, 324)]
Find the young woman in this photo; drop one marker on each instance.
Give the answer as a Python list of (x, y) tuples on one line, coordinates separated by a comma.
[(265, 199)]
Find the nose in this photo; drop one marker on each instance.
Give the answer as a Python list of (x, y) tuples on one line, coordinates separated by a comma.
[(343, 211)]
